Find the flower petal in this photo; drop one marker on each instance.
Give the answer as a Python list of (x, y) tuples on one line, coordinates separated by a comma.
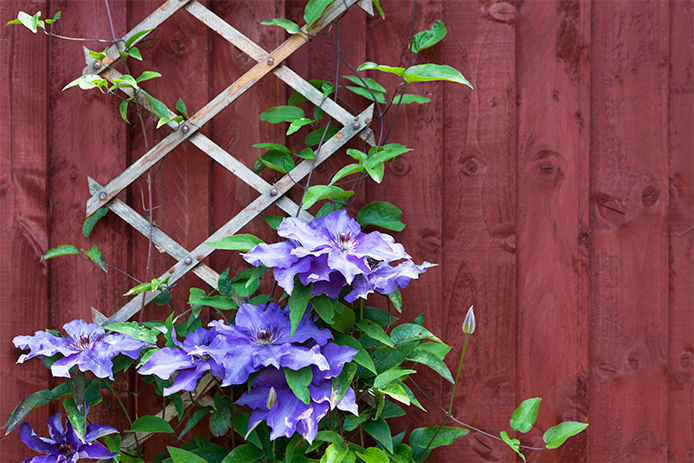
[(95, 450), (42, 344), (77, 329), (271, 255), (186, 380), (34, 442), (95, 431), (165, 362), (55, 427), (302, 234), (61, 367)]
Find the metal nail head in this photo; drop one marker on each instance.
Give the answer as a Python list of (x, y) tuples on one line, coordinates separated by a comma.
[(187, 261), (270, 61), (355, 125), (102, 195), (274, 192), (185, 128), (97, 65)]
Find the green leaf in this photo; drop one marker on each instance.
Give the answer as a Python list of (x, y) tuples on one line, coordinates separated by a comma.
[(163, 297), (408, 332), (375, 170), (356, 154), (370, 83), (181, 108), (344, 317), (344, 380), (240, 242), (178, 404), (408, 98), (314, 9), (375, 332), (95, 256), (389, 69), (380, 316), (149, 423), (278, 160), (244, 453), (319, 192), (336, 453), (86, 82), (377, 3), (195, 419), (298, 381), (373, 455), (184, 456), (433, 72), (426, 358), (387, 152), (128, 43), (62, 250), (362, 358), (429, 37), (380, 431), (421, 437), (324, 308), (396, 392), (26, 405), (123, 108), (523, 418), (77, 419), (220, 421), (126, 79), (97, 55), (513, 443), (297, 124), (30, 22), (361, 91), (273, 220), (220, 302), (286, 24), (557, 435), (158, 107), (273, 146), (396, 298), (298, 301), (134, 330), (307, 153), (134, 53), (391, 375), (279, 114), (89, 223), (349, 169), (313, 138), (146, 75)]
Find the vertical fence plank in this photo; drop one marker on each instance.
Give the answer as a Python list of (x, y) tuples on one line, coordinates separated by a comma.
[(553, 188), (629, 258), (681, 234), (24, 217), (479, 219)]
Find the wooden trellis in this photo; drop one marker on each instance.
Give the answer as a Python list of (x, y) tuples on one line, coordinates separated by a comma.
[(105, 196)]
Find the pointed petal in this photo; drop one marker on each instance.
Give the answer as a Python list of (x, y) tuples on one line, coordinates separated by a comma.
[(165, 362), (34, 442), (95, 431)]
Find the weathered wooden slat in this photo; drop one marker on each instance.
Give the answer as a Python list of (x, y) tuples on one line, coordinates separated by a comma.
[(553, 191), (247, 214), (159, 238), (211, 109), (288, 76)]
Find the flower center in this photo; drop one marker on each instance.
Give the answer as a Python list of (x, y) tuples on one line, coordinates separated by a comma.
[(85, 342), (371, 262), (66, 449), (265, 337), (346, 241)]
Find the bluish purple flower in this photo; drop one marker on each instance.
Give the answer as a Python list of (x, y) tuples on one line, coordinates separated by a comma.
[(260, 337), (87, 346), (331, 252), (287, 414), (200, 351), (64, 445)]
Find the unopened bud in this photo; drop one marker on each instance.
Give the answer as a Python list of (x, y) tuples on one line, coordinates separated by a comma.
[(271, 398), (469, 322)]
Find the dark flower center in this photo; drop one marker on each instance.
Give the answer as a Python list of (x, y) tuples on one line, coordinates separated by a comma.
[(86, 342), (66, 449), (371, 262), (346, 241), (265, 337)]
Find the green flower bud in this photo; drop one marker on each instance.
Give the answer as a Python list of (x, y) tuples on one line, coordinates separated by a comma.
[(271, 398), (469, 322)]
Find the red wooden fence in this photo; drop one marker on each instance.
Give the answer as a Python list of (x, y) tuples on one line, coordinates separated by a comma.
[(557, 197)]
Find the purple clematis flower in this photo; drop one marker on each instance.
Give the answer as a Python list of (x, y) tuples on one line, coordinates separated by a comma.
[(273, 401), (331, 252), (260, 337), (88, 347), (385, 279), (200, 351), (64, 445)]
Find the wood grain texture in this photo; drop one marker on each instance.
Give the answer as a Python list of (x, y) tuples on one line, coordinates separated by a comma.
[(681, 235), (629, 258), (479, 221), (553, 76), (24, 215)]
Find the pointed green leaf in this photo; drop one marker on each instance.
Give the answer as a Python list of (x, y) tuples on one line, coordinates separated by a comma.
[(379, 67), (297, 124), (298, 301), (314, 9), (367, 82), (349, 169), (134, 330), (380, 431), (513, 443), (313, 138), (239, 242), (149, 423), (557, 435), (408, 98), (391, 375), (77, 419), (319, 192), (361, 91), (324, 308), (396, 392), (184, 456), (244, 453), (123, 109), (278, 160), (181, 108), (426, 358), (362, 358), (342, 383), (273, 146), (421, 437), (89, 223), (523, 418), (381, 214), (95, 256), (62, 250), (219, 302), (126, 79), (195, 419), (298, 381), (128, 43), (408, 332), (273, 220), (26, 405), (134, 52), (433, 72), (279, 114), (373, 455), (286, 24), (375, 332), (429, 37), (146, 75)]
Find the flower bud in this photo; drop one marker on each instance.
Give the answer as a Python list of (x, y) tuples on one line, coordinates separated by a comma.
[(271, 398), (469, 322)]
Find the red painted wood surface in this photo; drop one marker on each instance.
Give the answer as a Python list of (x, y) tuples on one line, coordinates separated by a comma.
[(558, 197)]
